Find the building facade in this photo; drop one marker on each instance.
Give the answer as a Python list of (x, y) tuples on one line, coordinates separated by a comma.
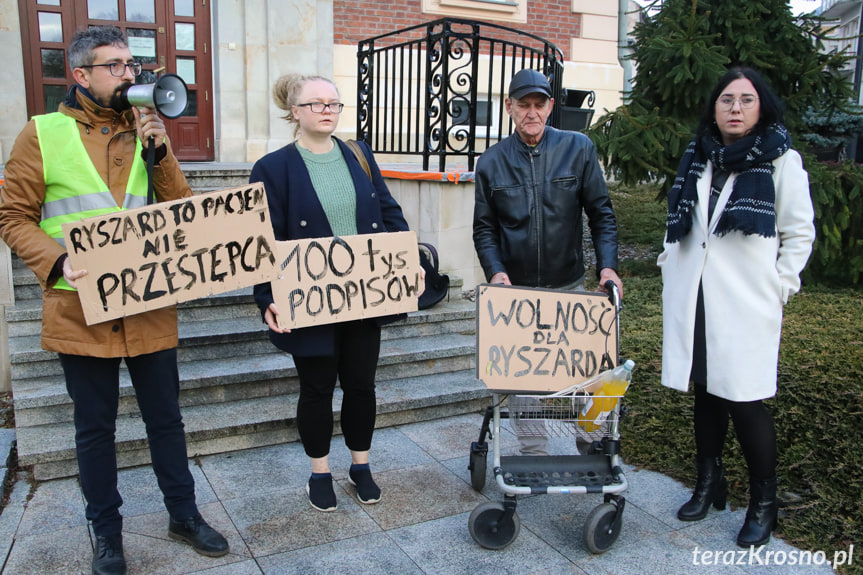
[(845, 29), (230, 53)]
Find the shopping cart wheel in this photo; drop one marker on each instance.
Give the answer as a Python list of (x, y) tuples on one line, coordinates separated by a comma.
[(477, 466), (602, 527), (490, 527)]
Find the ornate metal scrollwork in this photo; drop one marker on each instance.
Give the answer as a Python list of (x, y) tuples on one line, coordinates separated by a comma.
[(455, 68), (364, 94)]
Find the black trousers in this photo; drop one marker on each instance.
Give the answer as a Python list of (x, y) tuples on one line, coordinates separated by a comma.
[(354, 364), (753, 424), (94, 385)]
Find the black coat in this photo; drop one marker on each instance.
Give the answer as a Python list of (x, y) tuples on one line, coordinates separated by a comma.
[(296, 213)]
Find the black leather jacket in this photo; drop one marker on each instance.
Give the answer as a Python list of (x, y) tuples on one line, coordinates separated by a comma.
[(528, 212)]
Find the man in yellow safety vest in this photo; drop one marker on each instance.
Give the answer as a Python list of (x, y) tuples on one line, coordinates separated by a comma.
[(86, 160)]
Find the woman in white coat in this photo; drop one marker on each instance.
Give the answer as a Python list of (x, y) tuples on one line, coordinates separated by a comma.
[(739, 232)]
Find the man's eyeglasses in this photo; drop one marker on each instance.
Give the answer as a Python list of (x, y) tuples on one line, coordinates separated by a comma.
[(117, 69), (319, 107), (727, 102)]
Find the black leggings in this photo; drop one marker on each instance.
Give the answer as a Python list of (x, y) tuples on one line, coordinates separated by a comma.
[(354, 364), (753, 425)]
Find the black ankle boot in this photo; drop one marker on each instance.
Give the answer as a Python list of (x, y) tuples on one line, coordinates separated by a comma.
[(711, 488), (761, 515)]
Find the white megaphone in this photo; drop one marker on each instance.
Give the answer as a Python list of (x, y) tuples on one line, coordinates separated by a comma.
[(168, 95)]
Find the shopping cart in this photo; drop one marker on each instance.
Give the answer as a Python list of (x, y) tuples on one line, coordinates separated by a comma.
[(580, 412)]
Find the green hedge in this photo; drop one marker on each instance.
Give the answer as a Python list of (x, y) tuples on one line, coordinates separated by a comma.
[(836, 189)]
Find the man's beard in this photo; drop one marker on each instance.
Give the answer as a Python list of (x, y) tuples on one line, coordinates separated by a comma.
[(118, 102)]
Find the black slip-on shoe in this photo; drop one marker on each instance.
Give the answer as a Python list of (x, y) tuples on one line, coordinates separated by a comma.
[(322, 496), (368, 491)]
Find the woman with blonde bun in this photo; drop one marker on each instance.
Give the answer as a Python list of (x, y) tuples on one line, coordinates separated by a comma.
[(317, 188)]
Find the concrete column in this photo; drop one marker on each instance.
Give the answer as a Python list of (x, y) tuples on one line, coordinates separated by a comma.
[(229, 81), (13, 99)]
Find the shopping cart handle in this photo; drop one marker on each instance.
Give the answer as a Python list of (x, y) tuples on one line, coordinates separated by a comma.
[(613, 293)]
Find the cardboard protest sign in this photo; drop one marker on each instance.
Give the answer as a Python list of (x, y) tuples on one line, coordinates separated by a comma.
[(539, 340), (166, 253), (330, 280)]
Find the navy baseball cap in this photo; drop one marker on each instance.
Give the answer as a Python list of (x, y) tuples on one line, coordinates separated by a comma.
[(528, 81)]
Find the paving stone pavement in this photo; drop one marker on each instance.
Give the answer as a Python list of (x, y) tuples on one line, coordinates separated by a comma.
[(256, 498)]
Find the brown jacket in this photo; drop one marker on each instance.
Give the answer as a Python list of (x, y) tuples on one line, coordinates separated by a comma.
[(109, 138)]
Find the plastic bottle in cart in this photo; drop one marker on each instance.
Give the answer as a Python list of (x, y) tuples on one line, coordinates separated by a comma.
[(614, 384)]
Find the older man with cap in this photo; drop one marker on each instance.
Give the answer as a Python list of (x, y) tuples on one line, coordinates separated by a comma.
[(531, 191)]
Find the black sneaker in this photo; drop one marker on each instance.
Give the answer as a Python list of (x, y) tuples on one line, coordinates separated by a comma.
[(368, 491), (322, 496), (197, 533), (108, 557)]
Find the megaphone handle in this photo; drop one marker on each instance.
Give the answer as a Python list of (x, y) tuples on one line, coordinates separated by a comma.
[(151, 161)]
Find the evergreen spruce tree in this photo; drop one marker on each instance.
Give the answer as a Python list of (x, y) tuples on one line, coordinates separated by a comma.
[(682, 49)]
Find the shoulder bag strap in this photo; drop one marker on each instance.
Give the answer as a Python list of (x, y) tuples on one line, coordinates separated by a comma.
[(361, 157)]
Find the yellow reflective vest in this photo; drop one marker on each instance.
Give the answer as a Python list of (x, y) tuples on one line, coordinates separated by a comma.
[(74, 190)]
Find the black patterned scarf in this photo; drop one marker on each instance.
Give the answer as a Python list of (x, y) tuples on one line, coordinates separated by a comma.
[(751, 207)]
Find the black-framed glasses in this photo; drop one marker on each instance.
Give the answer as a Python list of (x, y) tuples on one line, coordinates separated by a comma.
[(117, 69), (727, 102), (319, 107)]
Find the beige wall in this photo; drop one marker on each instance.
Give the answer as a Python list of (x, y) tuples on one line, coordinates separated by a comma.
[(256, 42), (509, 13), (442, 214), (594, 61)]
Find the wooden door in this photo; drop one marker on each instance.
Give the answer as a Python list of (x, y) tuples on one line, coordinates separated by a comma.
[(170, 36), (188, 55)]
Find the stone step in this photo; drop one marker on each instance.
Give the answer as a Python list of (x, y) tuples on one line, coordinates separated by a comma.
[(41, 401), (254, 422), (209, 177), (240, 336), (25, 317), (18, 264), (25, 285)]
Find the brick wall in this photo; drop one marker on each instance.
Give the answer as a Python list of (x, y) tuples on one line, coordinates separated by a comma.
[(354, 20)]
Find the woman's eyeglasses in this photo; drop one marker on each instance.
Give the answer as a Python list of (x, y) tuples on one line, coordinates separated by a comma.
[(117, 69), (727, 102), (319, 107)]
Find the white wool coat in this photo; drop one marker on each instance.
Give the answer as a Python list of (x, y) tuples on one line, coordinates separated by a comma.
[(747, 279)]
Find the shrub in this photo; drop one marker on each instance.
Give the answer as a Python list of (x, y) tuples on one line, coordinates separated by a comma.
[(682, 48), (831, 128), (837, 195)]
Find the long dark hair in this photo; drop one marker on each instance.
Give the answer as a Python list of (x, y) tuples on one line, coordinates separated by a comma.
[(770, 105)]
